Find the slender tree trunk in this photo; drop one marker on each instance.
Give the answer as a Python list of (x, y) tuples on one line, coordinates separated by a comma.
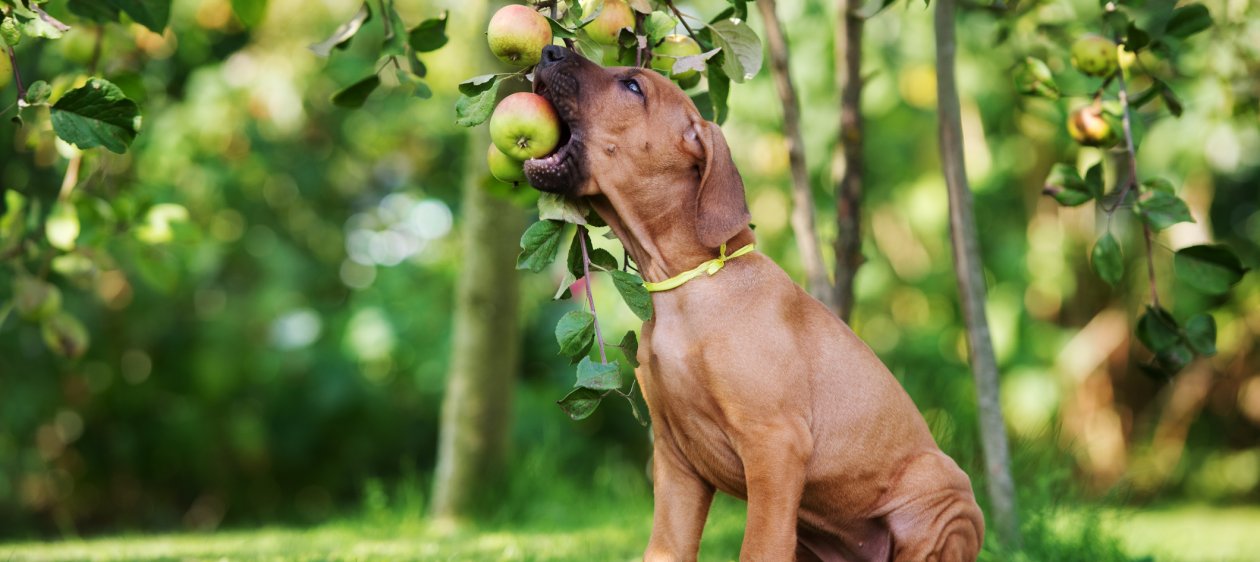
[(802, 196), (476, 409), (970, 276), (847, 160)]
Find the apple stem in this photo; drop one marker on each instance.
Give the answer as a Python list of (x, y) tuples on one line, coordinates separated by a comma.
[(590, 295)]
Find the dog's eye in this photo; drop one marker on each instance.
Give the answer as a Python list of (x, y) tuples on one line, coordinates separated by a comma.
[(633, 86)]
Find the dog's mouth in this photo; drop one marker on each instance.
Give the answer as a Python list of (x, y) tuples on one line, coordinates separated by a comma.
[(560, 171)]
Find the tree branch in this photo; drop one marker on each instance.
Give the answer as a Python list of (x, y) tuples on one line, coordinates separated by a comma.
[(970, 274), (847, 158), (802, 196), (590, 295)]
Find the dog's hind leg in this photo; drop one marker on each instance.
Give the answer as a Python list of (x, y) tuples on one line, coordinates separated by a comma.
[(934, 523)]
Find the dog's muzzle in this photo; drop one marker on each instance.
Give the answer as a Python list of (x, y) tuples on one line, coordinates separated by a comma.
[(555, 79)]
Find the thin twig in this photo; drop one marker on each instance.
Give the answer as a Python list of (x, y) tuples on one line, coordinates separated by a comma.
[(590, 296), (17, 77), (1126, 120), (1150, 264), (848, 155), (681, 18)]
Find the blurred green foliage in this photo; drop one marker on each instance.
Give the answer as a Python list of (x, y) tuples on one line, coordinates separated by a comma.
[(279, 344)]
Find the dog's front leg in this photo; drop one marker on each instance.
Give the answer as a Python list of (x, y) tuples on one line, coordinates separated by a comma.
[(682, 505), (775, 457)]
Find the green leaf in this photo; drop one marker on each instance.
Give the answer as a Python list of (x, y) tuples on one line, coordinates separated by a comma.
[(634, 293), (603, 260), (1094, 180), (1158, 184), (598, 376), (1135, 39), (250, 12), (38, 93), (657, 25), (153, 14), (62, 226), (1107, 260), (341, 37), (472, 109), (96, 114), (630, 348), (94, 10), (9, 33), (430, 35), (1175, 358), (575, 332), (704, 104), (1188, 20), (1157, 330), (741, 49), (559, 31), (1201, 334), (1161, 210), (1211, 269), (421, 90), (356, 94), (580, 403), (719, 89), (40, 23), (1066, 186), (563, 291), (554, 206), (65, 335), (1170, 99), (394, 43), (478, 84), (574, 261), (539, 245)]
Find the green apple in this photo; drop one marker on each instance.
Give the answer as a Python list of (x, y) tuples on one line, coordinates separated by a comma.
[(607, 26), (524, 126), (1091, 126), (503, 167), (669, 51), (517, 35), (1094, 55)]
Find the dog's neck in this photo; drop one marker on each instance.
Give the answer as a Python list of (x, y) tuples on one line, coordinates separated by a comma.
[(662, 243)]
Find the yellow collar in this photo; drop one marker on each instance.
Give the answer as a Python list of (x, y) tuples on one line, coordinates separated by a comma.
[(710, 267)]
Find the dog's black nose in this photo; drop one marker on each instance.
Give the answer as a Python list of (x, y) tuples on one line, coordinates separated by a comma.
[(552, 54)]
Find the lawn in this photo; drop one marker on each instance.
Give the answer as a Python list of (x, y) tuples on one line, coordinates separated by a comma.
[(1184, 533)]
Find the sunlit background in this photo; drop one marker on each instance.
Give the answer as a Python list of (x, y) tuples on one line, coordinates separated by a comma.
[(271, 345)]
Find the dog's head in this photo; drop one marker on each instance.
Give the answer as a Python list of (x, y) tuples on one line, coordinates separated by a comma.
[(636, 138)]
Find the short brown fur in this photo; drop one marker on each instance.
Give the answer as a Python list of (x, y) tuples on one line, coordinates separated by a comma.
[(754, 387)]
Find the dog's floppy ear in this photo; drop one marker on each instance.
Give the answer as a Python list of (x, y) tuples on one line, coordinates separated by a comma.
[(721, 211)]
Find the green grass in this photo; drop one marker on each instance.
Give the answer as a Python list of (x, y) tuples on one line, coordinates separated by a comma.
[(1190, 533), (599, 532)]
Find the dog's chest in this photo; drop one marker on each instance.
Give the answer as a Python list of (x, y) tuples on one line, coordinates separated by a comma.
[(690, 418)]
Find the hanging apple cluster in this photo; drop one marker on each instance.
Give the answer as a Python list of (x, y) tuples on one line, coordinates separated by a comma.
[(703, 60), (1107, 122)]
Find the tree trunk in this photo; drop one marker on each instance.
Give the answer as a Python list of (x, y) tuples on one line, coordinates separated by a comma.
[(847, 164), (802, 197), (970, 274), (476, 409)]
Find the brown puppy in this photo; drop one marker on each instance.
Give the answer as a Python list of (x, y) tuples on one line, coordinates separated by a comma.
[(754, 387)]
